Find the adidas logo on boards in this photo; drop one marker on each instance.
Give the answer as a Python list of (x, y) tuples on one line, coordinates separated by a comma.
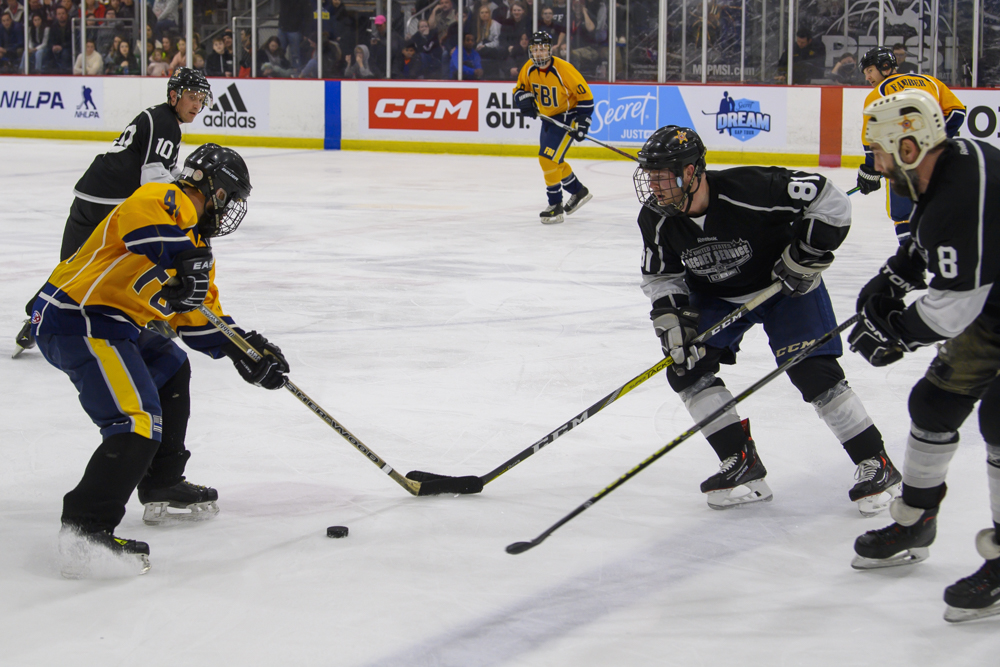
[(229, 110)]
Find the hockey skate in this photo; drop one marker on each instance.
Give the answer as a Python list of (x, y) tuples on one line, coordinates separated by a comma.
[(100, 555), (902, 543), (24, 340), (574, 203), (198, 503), (878, 484), (552, 214), (978, 595), (740, 480)]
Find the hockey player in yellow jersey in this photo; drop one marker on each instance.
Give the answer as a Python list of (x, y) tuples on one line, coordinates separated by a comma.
[(554, 88), (150, 259), (879, 67)]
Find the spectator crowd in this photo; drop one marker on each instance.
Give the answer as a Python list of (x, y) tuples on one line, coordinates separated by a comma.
[(495, 35), (421, 45)]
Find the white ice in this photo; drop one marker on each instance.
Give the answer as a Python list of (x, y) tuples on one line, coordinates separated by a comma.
[(421, 303)]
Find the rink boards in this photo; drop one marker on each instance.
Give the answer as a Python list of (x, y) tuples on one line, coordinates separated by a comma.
[(801, 125)]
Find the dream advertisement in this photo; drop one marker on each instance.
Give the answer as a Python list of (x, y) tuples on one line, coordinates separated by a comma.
[(739, 117), (54, 102)]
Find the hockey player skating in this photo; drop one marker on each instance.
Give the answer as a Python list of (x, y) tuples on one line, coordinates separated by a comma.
[(552, 87), (879, 67), (145, 152), (149, 260), (955, 233), (716, 239)]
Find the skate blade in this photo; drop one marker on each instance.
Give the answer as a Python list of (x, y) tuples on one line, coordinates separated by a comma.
[(580, 204), (128, 564), (81, 559), (874, 505), (756, 491), (555, 219), (157, 514), (18, 351), (905, 557), (959, 615)]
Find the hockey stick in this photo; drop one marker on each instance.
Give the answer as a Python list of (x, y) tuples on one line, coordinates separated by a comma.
[(856, 188), (441, 484), (599, 143), (568, 426), (521, 547)]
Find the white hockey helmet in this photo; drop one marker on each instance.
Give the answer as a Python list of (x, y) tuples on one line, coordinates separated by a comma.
[(909, 113)]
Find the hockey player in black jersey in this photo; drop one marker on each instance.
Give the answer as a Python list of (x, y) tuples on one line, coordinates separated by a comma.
[(716, 239), (145, 152), (955, 230)]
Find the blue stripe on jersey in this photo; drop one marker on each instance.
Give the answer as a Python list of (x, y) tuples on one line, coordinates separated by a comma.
[(158, 243)]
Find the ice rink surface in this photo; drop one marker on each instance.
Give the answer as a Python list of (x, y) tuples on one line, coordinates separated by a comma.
[(421, 303)]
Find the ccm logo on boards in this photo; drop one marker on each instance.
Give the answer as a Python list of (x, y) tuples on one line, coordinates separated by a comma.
[(450, 109)]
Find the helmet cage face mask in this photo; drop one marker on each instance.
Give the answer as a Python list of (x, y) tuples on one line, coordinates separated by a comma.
[(669, 149), (674, 199), (210, 169), (540, 49), (541, 54)]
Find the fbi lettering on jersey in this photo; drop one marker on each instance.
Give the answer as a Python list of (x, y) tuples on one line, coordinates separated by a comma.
[(440, 109)]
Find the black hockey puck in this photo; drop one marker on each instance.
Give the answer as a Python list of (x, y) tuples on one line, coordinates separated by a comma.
[(336, 531)]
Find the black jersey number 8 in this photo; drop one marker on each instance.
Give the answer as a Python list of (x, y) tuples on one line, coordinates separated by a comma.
[(801, 190)]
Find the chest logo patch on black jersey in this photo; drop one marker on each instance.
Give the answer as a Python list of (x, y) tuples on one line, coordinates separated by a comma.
[(716, 262)]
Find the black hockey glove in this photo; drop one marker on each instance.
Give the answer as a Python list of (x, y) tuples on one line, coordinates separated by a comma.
[(875, 337), (800, 268), (579, 133), (676, 327), (188, 289), (869, 180), (524, 101), (895, 279), (269, 372)]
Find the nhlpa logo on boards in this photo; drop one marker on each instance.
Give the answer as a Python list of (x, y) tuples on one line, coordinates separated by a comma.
[(440, 109), (741, 118), (87, 108), (31, 99), (230, 110)]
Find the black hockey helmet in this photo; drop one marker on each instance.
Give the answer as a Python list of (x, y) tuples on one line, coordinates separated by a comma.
[(540, 48), (669, 148), (881, 57), (208, 169), (187, 78)]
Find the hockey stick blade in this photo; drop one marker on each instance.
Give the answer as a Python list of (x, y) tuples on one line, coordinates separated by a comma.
[(521, 547), (432, 484)]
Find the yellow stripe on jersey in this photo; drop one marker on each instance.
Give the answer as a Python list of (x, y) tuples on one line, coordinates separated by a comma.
[(120, 384), (557, 88)]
